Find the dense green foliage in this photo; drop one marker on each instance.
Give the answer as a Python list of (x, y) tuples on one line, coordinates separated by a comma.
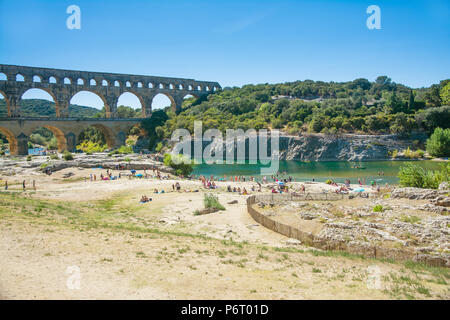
[(90, 147), (445, 94), (181, 165), (123, 112), (412, 175), (92, 134), (153, 126), (45, 108), (438, 145), (328, 107), (44, 137), (122, 150)]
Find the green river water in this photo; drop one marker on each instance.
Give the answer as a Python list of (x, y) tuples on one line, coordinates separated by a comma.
[(380, 171)]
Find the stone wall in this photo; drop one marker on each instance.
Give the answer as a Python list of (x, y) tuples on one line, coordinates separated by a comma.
[(363, 249)]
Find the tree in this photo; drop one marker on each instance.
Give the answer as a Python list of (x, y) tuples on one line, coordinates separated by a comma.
[(411, 100), (445, 94), (157, 119), (383, 80), (125, 112), (432, 96), (438, 145), (412, 175), (394, 104), (182, 165), (434, 117)]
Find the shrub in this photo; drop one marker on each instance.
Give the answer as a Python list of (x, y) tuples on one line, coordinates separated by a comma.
[(212, 201), (182, 165), (438, 145), (131, 141), (414, 154), (412, 175), (67, 156), (29, 158), (159, 147), (378, 208), (90, 147), (52, 144), (54, 157), (122, 150), (394, 153), (125, 149)]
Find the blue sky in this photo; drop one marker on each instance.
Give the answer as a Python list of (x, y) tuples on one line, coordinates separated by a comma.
[(233, 42)]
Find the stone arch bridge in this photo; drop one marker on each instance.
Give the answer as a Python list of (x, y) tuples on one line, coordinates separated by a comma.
[(65, 130), (62, 85)]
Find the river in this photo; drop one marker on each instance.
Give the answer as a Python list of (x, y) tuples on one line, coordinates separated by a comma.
[(380, 171)]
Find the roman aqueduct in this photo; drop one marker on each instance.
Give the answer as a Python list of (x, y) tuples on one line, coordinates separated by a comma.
[(62, 85)]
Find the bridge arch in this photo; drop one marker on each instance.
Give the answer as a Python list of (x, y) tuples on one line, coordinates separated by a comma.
[(92, 92), (161, 98), (132, 95), (108, 133), (3, 76), (37, 90), (13, 144), (37, 78), (8, 108), (57, 133)]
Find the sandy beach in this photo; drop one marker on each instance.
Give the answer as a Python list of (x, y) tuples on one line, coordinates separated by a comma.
[(162, 250)]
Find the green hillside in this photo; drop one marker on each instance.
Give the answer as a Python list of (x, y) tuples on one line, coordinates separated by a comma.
[(358, 106), (45, 108)]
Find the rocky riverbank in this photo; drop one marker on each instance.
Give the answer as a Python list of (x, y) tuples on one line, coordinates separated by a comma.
[(20, 165), (406, 223), (340, 148), (321, 147)]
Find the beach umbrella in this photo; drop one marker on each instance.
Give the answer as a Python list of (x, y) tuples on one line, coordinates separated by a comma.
[(133, 171)]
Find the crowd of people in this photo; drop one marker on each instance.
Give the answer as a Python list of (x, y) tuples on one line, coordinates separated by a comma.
[(278, 183)]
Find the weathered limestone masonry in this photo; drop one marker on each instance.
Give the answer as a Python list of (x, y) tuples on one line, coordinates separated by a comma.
[(62, 85)]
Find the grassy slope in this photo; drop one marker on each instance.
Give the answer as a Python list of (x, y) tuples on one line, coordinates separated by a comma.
[(284, 271)]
